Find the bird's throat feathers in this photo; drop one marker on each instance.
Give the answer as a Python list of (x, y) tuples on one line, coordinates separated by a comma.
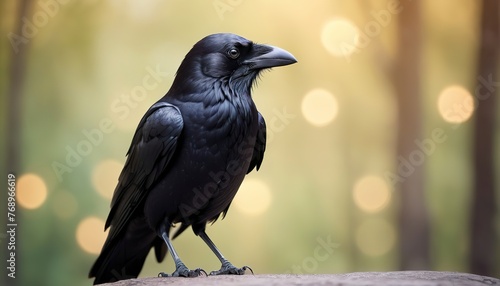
[(234, 88), (238, 92)]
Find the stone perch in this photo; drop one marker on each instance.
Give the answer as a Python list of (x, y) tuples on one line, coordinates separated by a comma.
[(399, 278)]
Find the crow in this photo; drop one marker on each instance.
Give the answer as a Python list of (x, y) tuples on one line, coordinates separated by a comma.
[(188, 157)]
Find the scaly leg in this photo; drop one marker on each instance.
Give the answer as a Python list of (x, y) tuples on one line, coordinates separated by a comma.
[(180, 268), (227, 267)]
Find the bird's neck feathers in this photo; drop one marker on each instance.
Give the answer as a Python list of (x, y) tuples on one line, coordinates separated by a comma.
[(237, 86), (195, 86), (189, 79), (243, 83), (225, 91)]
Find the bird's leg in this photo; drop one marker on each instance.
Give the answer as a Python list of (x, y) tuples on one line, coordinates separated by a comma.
[(180, 268), (227, 267)]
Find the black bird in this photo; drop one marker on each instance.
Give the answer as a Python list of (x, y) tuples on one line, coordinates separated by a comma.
[(188, 157)]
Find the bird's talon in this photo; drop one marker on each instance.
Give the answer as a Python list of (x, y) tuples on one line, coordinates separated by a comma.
[(247, 267), (184, 272), (190, 273), (229, 269), (163, 274), (203, 271)]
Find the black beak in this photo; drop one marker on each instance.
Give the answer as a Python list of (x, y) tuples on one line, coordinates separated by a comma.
[(272, 57)]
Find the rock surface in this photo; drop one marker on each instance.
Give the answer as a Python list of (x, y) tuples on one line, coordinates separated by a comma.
[(400, 278)]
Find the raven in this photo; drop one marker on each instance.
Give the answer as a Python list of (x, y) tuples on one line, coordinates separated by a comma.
[(188, 157)]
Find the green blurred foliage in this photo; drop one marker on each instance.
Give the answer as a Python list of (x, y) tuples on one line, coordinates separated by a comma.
[(89, 53)]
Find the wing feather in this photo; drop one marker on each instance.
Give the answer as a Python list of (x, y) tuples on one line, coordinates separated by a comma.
[(152, 148), (259, 147)]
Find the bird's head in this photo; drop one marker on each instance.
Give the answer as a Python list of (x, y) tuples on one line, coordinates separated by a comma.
[(229, 57)]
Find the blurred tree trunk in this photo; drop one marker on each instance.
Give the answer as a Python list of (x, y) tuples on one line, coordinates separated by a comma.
[(413, 216), (14, 93), (16, 72), (482, 231)]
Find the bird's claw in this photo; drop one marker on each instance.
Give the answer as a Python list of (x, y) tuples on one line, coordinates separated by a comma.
[(229, 269), (199, 270), (183, 271)]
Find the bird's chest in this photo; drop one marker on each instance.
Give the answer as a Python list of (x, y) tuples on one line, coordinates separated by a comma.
[(224, 131)]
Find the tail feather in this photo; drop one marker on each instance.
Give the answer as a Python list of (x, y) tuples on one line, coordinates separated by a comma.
[(160, 249), (124, 257)]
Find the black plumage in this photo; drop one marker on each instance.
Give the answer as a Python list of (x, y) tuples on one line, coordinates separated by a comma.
[(188, 157)]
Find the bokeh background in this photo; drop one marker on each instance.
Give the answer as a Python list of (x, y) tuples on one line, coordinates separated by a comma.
[(381, 139)]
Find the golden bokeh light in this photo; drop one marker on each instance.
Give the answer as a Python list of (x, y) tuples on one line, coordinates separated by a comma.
[(64, 204), (254, 197), (90, 234), (319, 107), (455, 104), (31, 191), (105, 177), (371, 193), (375, 237), (340, 37)]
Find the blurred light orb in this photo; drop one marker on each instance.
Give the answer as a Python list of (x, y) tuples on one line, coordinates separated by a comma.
[(90, 234), (319, 107), (64, 204), (371, 193), (105, 177), (455, 104), (340, 37), (31, 191), (253, 198), (375, 237)]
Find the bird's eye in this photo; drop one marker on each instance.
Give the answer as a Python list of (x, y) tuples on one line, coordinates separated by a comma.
[(233, 53)]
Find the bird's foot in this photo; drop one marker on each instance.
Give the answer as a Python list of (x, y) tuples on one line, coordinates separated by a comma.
[(229, 269), (183, 271)]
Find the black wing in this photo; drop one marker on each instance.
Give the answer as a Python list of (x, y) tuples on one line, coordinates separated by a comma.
[(259, 147), (152, 148)]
